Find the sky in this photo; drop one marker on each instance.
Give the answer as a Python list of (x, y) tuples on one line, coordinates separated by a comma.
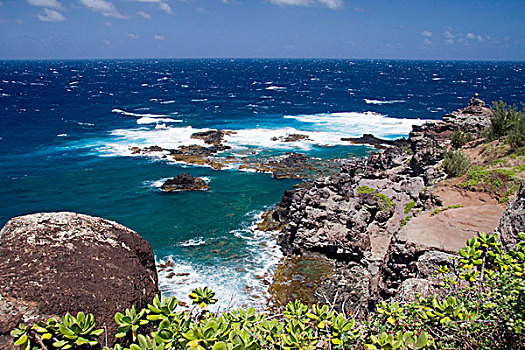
[(358, 29)]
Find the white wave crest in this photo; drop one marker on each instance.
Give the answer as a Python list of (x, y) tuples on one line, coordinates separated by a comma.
[(139, 115), (193, 242), (382, 102), (276, 88), (150, 120)]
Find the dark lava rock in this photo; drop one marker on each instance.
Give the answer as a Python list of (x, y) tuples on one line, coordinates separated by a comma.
[(513, 220), (369, 139), (184, 182), (291, 138), (212, 137), (353, 217), (54, 263)]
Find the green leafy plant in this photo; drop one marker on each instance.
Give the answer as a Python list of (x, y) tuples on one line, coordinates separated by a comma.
[(203, 297), (130, 322), (440, 210), (481, 306)]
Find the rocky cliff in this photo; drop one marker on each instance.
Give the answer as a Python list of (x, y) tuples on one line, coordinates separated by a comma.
[(359, 219), (53, 263)]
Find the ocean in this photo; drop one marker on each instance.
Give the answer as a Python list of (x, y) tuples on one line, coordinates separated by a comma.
[(66, 129)]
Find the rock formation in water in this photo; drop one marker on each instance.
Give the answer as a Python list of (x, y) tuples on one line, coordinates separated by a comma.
[(184, 182), (53, 263)]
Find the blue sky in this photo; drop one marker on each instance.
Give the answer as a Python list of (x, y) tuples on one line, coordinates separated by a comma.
[(396, 29)]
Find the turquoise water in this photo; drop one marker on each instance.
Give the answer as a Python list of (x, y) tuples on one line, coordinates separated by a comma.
[(66, 128)]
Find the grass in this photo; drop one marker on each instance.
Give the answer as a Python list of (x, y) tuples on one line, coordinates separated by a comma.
[(440, 210), (410, 205), (384, 202), (405, 220)]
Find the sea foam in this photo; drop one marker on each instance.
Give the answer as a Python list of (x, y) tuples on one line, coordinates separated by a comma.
[(240, 282), (355, 124)]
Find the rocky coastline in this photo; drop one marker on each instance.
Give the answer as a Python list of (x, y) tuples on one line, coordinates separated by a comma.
[(375, 229), (382, 224)]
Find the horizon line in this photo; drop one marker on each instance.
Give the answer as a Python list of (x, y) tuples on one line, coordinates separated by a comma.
[(265, 58)]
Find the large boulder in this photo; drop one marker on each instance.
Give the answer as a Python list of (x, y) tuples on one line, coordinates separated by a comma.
[(53, 263), (513, 220)]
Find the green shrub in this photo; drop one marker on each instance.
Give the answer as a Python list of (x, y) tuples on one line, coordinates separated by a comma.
[(459, 139), (481, 306), (507, 121), (517, 130), (456, 163)]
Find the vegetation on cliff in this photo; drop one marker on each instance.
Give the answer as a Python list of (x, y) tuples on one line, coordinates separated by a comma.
[(494, 163), (481, 306)]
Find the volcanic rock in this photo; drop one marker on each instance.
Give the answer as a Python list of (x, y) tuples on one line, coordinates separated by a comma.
[(212, 137), (184, 182), (54, 263), (472, 119), (291, 138), (369, 139), (359, 217), (513, 220)]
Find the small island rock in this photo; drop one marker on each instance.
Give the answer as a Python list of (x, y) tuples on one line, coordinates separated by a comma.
[(184, 182)]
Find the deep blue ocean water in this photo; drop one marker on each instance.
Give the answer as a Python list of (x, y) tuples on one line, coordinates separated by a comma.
[(66, 128)]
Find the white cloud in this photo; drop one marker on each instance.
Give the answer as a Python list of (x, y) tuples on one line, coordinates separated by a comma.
[(105, 8), (46, 3), (426, 34), (331, 4), (159, 37), (133, 36), (51, 16), (427, 41), (166, 8), (449, 37), (144, 15), (163, 5)]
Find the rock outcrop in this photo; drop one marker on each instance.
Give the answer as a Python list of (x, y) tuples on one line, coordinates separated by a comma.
[(473, 118), (53, 263), (356, 217), (513, 220), (287, 166), (184, 182)]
